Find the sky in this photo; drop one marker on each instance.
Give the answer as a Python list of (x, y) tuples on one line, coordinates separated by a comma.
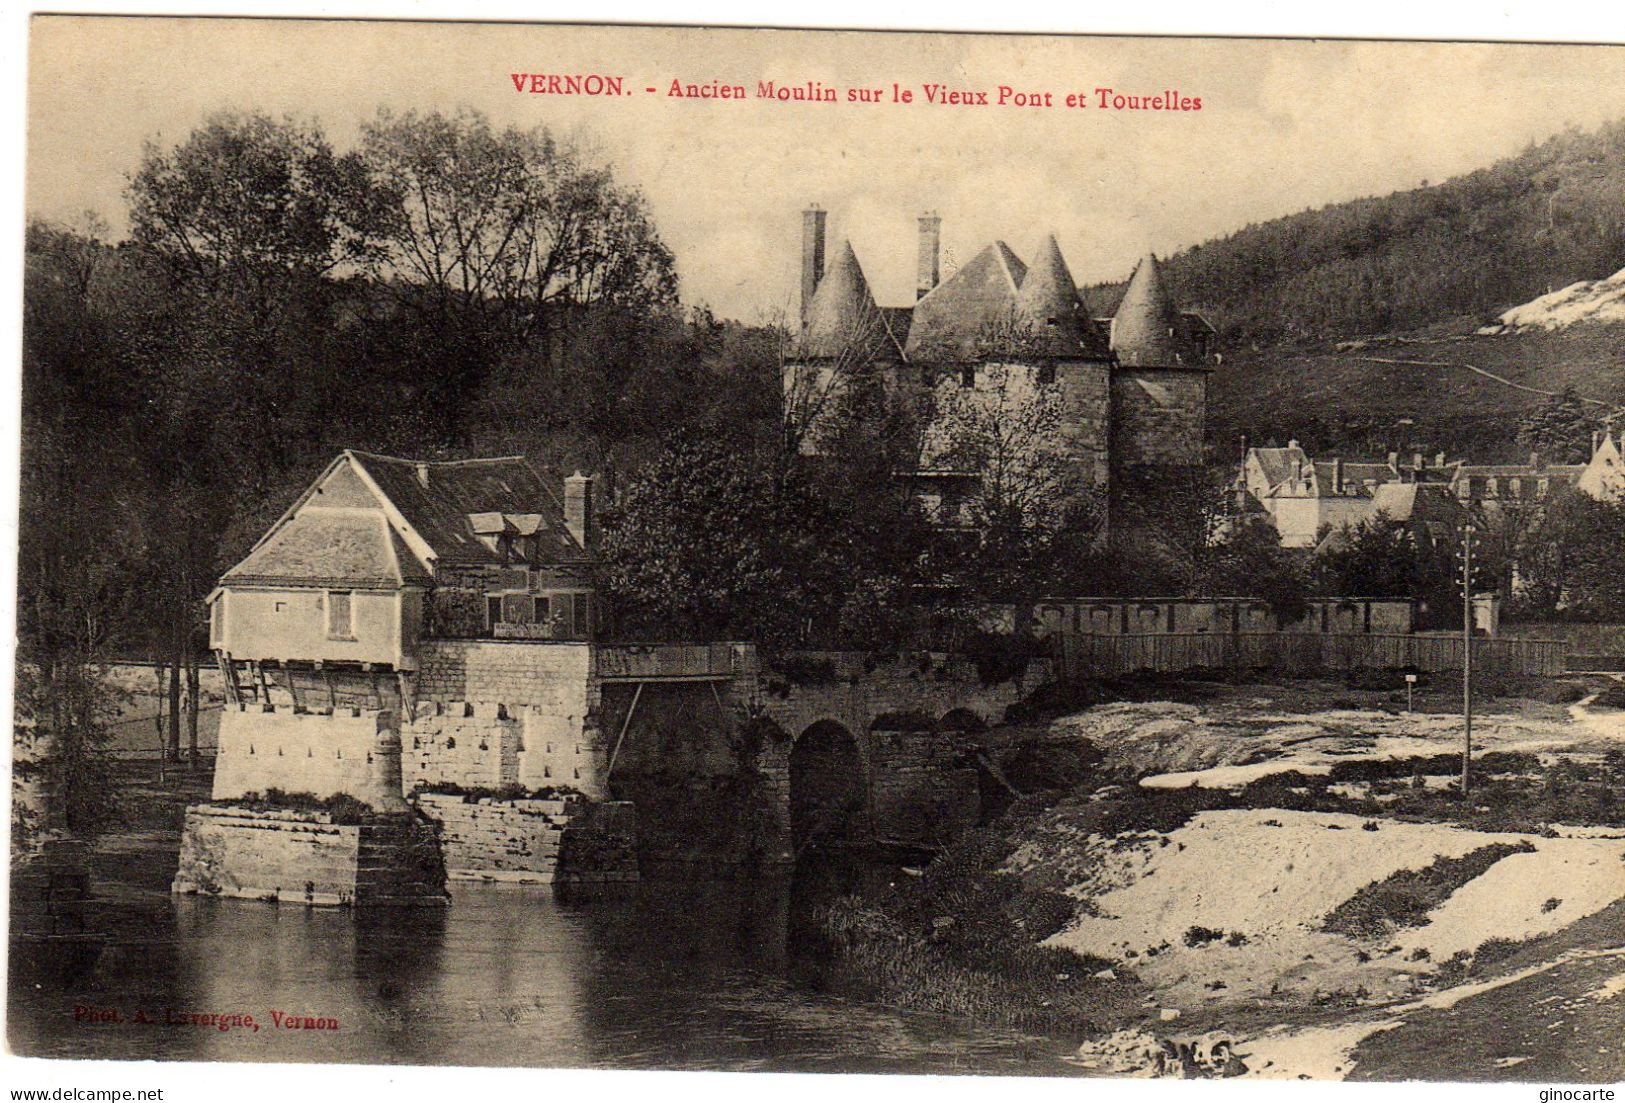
[(1284, 125)]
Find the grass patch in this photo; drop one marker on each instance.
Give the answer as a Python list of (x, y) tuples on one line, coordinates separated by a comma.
[(512, 791), (1512, 792), (1404, 898), (963, 940), (342, 807), (1035, 988)]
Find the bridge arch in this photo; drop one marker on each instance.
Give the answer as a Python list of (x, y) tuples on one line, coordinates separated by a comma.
[(829, 788), (961, 720)]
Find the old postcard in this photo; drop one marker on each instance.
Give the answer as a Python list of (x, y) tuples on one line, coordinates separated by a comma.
[(812, 551)]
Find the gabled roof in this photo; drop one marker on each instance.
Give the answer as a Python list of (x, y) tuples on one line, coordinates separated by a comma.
[(1414, 502), (958, 313), (331, 547), (1280, 465), (436, 498), (1048, 305), (1146, 326), (842, 318)]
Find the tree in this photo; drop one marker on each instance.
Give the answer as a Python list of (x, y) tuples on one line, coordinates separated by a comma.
[(1374, 558), (703, 542), (1032, 521), (1560, 428), (502, 241), (1378, 558), (246, 196), (1575, 565), (1250, 562), (70, 608), (1168, 526)]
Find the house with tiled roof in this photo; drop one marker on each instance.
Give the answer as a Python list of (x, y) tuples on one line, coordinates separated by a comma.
[(998, 331), (1499, 485), (379, 552), (1304, 496)]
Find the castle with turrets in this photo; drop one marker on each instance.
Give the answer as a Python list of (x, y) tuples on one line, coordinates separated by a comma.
[(1130, 390)]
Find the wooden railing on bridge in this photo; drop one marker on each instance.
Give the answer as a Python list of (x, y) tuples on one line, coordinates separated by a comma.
[(632, 662), (1086, 656)]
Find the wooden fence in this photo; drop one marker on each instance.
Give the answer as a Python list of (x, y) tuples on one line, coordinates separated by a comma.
[(1085, 656)]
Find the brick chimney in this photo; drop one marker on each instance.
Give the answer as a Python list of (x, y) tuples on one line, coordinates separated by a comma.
[(1337, 475), (578, 508), (930, 253), (812, 254)]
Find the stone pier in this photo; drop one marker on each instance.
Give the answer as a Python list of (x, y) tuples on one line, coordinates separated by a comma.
[(307, 808)]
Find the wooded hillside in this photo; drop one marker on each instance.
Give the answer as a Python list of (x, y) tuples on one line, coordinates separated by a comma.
[(1466, 248)]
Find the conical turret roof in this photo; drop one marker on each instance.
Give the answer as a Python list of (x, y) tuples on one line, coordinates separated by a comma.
[(1145, 329), (842, 319), (1049, 310)]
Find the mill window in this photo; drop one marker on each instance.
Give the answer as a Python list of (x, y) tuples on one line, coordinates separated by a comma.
[(340, 615), (543, 610), (493, 612)]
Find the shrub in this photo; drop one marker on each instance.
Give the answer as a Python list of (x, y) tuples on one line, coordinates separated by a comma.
[(511, 791), (1000, 657), (1201, 936), (1404, 898), (342, 807), (1611, 698), (1496, 950)]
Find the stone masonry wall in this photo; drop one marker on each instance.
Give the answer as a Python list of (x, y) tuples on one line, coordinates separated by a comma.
[(485, 745), (472, 745), (303, 857), (514, 840), (555, 676), (1086, 416), (354, 753), (534, 841), (1159, 417)]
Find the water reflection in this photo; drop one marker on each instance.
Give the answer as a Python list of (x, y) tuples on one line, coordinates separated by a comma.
[(660, 976)]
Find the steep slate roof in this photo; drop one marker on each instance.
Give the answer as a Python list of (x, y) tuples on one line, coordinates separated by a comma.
[(439, 512), (1048, 303), (956, 315), (1560, 471), (336, 547), (1144, 332), (842, 318), (1358, 477), (1280, 465)]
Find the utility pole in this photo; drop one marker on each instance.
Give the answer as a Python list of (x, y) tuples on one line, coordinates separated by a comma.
[(1467, 655)]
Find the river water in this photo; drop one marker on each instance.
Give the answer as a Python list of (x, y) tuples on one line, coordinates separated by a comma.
[(664, 975)]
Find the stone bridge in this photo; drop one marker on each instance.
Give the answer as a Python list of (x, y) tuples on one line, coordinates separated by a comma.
[(881, 751)]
